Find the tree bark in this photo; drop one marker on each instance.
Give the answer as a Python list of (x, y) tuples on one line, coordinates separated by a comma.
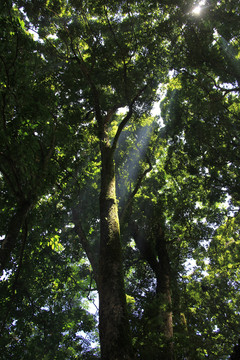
[(114, 327), (157, 258), (164, 291)]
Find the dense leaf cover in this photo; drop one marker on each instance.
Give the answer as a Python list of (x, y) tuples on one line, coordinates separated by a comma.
[(101, 196)]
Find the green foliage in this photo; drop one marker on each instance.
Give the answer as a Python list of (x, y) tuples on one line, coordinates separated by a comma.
[(80, 76), (45, 310)]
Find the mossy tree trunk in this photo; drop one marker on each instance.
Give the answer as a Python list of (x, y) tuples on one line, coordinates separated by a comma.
[(114, 327)]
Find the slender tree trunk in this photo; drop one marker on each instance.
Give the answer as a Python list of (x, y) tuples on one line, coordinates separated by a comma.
[(114, 328), (163, 275), (164, 295), (157, 257)]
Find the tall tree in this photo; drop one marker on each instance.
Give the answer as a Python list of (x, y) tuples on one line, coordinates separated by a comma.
[(97, 67), (127, 78)]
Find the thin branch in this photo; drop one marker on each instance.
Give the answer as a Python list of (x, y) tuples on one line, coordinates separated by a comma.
[(111, 29), (24, 241), (111, 112), (85, 244), (134, 192), (17, 188), (14, 228), (126, 119), (84, 69), (48, 156), (8, 180)]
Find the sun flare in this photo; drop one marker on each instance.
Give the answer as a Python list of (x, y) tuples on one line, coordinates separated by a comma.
[(197, 10)]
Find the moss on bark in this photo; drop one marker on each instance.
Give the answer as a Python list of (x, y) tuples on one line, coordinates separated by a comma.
[(114, 327)]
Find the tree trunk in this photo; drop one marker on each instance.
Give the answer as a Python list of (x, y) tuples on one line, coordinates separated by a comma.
[(157, 258), (114, 328), (163, 292), (164, 295)]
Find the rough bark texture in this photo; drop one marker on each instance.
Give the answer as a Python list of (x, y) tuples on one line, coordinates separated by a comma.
[(114, 329)]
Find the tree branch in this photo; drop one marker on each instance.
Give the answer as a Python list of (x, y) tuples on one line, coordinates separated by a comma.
[(134, 192), (14, 228), (85, 243), (126, 119), (84, 69)]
